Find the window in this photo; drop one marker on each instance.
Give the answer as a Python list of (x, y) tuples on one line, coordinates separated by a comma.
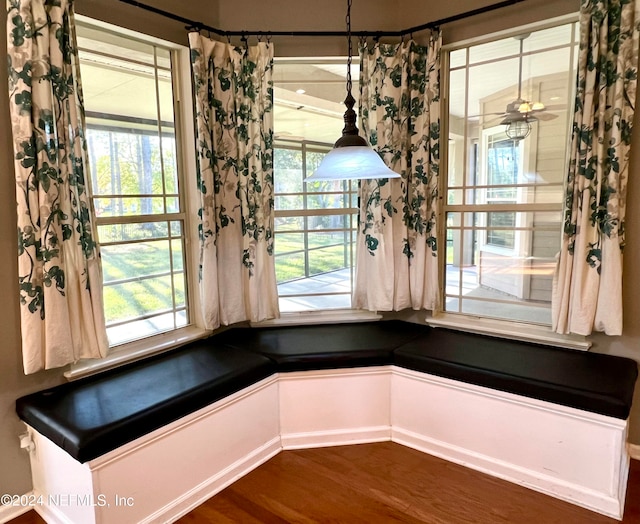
[(315, 223), (503, 165), (504, 192), (136, 185)]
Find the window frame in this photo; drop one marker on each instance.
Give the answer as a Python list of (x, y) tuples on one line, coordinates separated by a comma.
[(348, 212), (318, 316), (512, 329), (184, 127)]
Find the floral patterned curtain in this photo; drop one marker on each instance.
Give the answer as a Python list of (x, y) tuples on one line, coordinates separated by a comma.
[(397, 263), (234, 140), (60, 274), (587, 292)]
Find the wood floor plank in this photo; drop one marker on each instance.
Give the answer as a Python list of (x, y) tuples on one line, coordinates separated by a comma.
[(30, 517), (387, 482), (384, 482)]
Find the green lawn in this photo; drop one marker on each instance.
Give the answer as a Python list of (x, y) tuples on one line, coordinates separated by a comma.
[(146, 295), (326, 253)]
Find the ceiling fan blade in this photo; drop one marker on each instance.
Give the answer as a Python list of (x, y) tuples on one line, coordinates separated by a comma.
[(543, 115), (555, 107), (486, 115)]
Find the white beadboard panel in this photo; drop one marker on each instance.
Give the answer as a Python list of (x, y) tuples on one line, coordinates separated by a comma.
[(554, 487), (343, 400), (65, 485), (156, 474), (575, 452), (170, 470)]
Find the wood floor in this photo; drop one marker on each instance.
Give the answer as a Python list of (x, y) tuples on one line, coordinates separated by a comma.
[(384, 483)]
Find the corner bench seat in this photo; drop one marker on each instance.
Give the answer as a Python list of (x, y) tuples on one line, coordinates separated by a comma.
[(235, 399), (92, 416), (98, 414)]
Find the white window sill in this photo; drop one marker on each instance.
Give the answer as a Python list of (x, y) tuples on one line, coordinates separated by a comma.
[(509, 329), (328, 316), (137, 350)]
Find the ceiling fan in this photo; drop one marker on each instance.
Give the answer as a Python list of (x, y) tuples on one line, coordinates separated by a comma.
[(520, 113)]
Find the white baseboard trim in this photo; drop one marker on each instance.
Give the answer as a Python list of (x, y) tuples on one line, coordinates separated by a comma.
[(563, 490), (207, 489), (8, 513), (322, 439), (634, 451)]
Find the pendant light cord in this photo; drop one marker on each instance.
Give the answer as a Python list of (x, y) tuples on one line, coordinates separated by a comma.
[(348, 19), (520, 69), (350, 134)]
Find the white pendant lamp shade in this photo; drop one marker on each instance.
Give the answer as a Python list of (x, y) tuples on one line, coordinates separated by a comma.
[(351, 157), (351, 162)]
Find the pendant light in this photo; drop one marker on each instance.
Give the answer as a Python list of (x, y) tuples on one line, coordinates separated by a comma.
[(518, 119), (351, 157)]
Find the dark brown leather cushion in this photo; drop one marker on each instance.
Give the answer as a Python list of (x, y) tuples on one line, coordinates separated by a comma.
[(332, 346), (590, 381), (95, 415)]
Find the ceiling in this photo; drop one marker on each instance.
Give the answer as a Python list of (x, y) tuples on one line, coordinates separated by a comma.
[(308, 93)]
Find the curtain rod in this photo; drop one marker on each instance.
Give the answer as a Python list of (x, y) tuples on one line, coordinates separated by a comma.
[(198, 26)]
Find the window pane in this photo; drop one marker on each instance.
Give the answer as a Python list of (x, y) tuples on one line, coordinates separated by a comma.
[(494, 50), (126, 232), (327, 186), (128, 206), (505, 310), (290, 266), (328, 252), (176, 229), (328, 201), (289, 202), (288, 223), (169, 163), (289, 242), (141, 259), (133, 158), (314, 231), (129, 300), (311, 302), (509, 255), (506, 167), (458, 58), (124, 162), (177, 255), (500, 232)]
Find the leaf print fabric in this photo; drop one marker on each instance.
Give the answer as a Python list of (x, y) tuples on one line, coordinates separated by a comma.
[(234, 141), (60, 274), (397, 252), (587, 292)]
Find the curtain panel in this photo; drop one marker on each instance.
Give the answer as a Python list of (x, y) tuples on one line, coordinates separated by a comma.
[(397, 255), (587, 291), (60, 274), (234, 142)]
